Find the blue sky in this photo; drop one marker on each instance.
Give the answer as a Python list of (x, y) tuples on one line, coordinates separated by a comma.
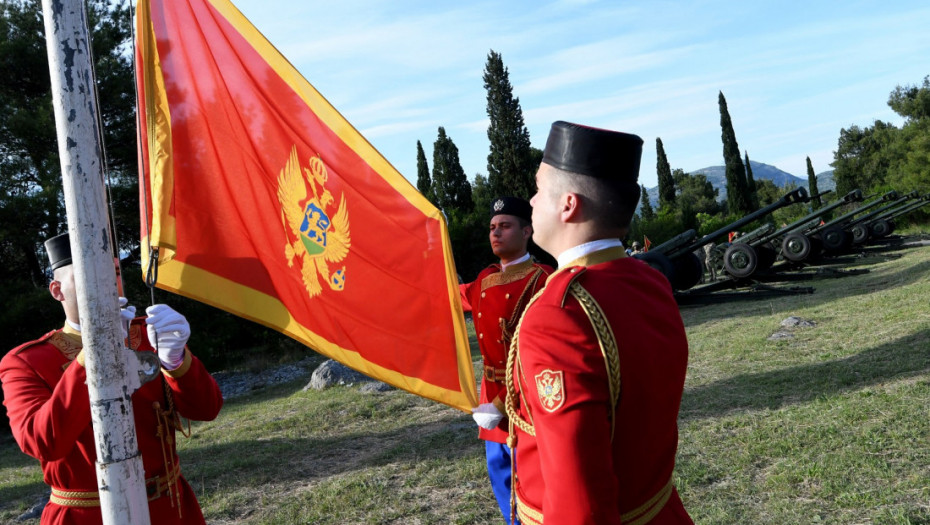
[(793, 73)]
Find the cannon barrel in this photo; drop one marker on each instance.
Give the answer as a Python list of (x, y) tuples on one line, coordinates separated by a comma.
[(819, 195), (906, 208), (792, 197), (804, 222), (892, 206), (891, 195)]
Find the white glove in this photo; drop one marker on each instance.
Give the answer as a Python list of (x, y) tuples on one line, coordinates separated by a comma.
[(487, 416), (168, 332), (126, 315)]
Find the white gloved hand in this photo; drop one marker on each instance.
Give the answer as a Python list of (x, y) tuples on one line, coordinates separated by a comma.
[(168, 332), (126, 315), (487, 416)]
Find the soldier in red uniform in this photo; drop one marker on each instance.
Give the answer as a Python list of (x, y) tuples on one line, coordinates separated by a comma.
[(593, 417), (49, 408), (497, 299)]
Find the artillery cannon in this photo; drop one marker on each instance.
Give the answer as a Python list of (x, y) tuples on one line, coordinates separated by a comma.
[(833, 235), (675, 258), (858, 228), (882, 225), (795, 245)]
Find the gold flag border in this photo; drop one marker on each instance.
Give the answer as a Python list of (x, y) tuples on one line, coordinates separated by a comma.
[(199, 284)]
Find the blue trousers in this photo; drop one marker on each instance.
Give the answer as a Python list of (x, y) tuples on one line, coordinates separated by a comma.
[(498, 456)]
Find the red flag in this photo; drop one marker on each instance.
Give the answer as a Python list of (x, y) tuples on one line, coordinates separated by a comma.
[(646, 243), (264, 201)]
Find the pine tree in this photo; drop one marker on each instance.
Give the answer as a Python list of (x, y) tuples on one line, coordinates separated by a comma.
[(816, 203), (751, 185), (645, 209), (424, 184), (450, 185), (738, 200), (510, 166), (666, 182)]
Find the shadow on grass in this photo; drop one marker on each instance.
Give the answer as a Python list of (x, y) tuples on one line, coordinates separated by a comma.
[(825, 291), (261, 461), (901, 358)]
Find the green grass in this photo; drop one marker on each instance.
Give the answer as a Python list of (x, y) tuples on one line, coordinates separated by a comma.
[(830, 426)]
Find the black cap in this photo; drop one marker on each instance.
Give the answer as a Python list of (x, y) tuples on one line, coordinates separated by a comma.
[(59, 251), (512, 206), (598, 153)]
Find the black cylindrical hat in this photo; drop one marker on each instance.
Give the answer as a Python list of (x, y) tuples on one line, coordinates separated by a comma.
[(595, 152), (59, 250), (512, 206)]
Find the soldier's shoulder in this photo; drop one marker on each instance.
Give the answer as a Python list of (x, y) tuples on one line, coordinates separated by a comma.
[(559, 284)]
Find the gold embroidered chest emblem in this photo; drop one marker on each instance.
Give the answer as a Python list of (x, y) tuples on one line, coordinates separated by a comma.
[(550, 386)]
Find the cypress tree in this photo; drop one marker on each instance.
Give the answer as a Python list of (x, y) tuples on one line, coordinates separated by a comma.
[(510, 166), (450, 185), (666, 181), (751, 185), (424, 184), (816, 203), (738, 200), (645, 208)]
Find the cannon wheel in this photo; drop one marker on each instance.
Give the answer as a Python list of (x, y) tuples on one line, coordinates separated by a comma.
[(740, 260), (835, 239), (882, 228), (767, 255), (796, 247), (860, 233), (687, 271), (660, 262)]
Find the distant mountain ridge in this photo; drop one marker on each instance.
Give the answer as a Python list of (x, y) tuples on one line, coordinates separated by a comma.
[(718, 178)]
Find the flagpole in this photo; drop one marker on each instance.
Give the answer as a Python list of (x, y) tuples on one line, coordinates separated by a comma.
[(113, 373)]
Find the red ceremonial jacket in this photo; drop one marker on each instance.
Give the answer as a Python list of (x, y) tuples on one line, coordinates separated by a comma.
[(49, 409), (496, 300), (595, 429)]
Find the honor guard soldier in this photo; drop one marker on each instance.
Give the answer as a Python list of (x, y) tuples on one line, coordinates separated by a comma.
[(593, 418), (497, 299), (49, 407)]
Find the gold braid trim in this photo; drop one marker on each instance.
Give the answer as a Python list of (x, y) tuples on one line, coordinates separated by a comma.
[(645, 512), (528, 515), (513, 367), (607, 342), (507, 326)]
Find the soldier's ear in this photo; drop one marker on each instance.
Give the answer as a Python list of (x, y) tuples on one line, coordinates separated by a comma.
[(54, 288)]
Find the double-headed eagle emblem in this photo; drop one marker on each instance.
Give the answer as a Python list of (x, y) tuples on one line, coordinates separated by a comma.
[(312, 233)]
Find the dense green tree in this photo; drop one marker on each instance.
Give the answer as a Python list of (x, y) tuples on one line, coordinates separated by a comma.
[(510, 162), (911, 102), (738, 199), (450, 186), (646, 210), (751, 184), (424, 183), (816, 201), (666, 181), (863, 157), (697, 191)]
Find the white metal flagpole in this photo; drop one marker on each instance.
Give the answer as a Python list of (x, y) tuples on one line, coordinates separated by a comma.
[(113, 373)]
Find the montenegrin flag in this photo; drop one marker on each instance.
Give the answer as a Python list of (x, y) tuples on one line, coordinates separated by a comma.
[(262, 200)]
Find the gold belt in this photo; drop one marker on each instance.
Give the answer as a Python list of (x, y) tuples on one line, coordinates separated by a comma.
[(495, 375), (155, 488), (638, 516)]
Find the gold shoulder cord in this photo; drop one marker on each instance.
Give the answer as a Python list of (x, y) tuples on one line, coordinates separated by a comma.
[(607, 342), (507, 326)]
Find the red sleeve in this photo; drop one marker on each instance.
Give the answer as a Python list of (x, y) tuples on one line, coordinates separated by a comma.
[(46, 422), (196, 394), (464, 292), (573, 435)]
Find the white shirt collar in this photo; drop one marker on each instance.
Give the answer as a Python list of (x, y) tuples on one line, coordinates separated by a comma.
[(526, 257), (581, 250), (76, 326)]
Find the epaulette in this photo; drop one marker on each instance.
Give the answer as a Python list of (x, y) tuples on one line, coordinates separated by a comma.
[(25, 346)]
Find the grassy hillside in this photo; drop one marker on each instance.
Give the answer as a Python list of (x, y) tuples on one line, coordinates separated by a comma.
[(829, 425)]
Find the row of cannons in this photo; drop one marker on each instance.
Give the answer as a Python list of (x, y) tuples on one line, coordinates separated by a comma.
[(806, 241)]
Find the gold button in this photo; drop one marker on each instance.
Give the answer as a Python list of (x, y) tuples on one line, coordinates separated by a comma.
[(507, 296), (499, 319), (482, 294), (479, 315), (480, 336)]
